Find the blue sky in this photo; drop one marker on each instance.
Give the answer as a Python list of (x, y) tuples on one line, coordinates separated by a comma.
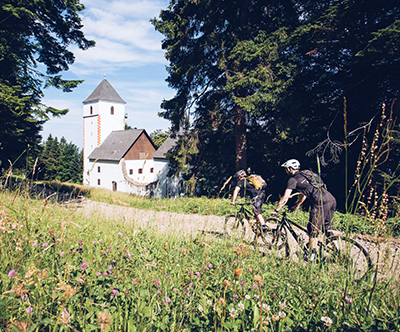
[(128, 51)]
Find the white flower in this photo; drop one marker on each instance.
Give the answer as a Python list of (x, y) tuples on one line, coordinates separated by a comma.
[(209, 302), (281, 314), (247, 297), (200, 308), (233, 313), (266, 307), (240, 306), (327, 321)]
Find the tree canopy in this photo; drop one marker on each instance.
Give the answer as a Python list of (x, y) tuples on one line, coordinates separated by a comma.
[(34, 49), (262, 82)]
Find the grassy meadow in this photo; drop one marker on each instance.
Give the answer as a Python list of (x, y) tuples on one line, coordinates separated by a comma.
[(63, 271)]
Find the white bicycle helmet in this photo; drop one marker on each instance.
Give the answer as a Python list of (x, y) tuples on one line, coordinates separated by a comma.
[(293, 163)]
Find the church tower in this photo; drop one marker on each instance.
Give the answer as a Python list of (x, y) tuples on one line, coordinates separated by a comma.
[(103, 112)]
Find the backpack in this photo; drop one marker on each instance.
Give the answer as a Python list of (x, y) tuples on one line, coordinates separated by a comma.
[(313, 179), (257, 181)]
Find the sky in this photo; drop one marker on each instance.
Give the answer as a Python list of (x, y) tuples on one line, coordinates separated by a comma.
[(128, 54)]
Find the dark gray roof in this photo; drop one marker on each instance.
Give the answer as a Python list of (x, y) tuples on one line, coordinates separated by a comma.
[(165, 147), (104, 91), (116, 145)]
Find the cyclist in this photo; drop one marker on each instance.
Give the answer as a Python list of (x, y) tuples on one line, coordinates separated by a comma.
[(323, 204), (246, 187)]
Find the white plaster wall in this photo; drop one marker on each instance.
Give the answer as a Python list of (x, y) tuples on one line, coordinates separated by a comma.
[(89, 143), (110, 122)]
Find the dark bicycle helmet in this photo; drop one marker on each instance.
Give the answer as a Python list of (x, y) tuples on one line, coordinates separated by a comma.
[(240, 173), (291, 163)]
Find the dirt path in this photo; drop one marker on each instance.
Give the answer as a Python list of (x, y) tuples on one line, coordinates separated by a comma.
[(386, 254)]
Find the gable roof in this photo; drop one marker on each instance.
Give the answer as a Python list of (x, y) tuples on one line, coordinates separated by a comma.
[(168, 144), (104, 91), (116, 145)]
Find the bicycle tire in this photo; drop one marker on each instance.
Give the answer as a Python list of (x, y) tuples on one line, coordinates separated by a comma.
[(347, 253), (274, 238), (235, 226)]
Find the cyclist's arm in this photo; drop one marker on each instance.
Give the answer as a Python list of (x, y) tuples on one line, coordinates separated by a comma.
[(284, 199), (234, 195)]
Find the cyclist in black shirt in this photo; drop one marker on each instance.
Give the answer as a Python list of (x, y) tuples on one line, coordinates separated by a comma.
[(323, 204), (245, 187)]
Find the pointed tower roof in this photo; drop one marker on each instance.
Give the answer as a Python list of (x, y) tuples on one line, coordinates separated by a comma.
[(104, 91)]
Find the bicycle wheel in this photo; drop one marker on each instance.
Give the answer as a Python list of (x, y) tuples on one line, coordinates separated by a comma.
[(348, 254), (274, 238), (235, 226)]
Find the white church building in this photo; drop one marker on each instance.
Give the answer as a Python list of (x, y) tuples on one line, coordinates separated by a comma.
[(119, 159)]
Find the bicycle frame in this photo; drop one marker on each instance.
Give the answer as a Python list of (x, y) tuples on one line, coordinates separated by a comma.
[(287, 223)]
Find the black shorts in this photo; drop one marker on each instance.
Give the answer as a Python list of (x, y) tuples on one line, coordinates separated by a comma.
[(257, 202), (321, 216)]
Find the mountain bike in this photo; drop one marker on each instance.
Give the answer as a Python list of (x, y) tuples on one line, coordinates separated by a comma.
[(338, 251), (242, 224)]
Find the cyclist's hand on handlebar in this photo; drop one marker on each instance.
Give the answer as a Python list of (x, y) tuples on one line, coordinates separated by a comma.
[(233, 203)]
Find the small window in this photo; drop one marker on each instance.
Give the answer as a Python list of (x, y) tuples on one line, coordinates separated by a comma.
[(152, 170), (98, 182), (130, 171), (112, 110), (114, 186), (98, 169), (140, 170), (91, 110)]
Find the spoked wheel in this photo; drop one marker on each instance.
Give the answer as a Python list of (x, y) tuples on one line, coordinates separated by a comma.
[(348, 254), (274, 239), (235, 226)]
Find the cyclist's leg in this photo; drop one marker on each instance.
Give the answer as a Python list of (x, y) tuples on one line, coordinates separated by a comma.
[(257, 203), (329, 209)]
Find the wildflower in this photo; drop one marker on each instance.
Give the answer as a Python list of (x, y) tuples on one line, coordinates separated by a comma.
[(34, 244), (209, 302), (80, 242), (157, 283), (128, 255), (275, 318), (200, 308), (65, 318), (104, 320), (159, 292), (247, 297), (168, 277), (210, 266), (184, 252), (281, 314), (29, 310), (327, 321), (98, 274), (266, 307), (348, 299), (118, 247), (94, 242), (282, 305), (258, 279), (175, 289), (69, 291), (105, 274), (226, 283), (84, 265), (234, 297), (242, 284), (221, 301), (238, 272), (58, 240), (198, 274), (233, 313), (166, 300), (101, 240), (240, 306), (45, 244), (255, 287), (152, 263), (12, 273), (114, 292), (165, 245), (119, 234)]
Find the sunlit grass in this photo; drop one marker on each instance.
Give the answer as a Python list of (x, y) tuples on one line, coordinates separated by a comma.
[(61, 270)]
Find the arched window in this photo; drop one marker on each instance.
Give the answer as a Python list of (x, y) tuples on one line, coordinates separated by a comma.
[(91, 110), (112, 110)]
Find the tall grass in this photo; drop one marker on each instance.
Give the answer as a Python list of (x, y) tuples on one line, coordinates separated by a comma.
[(63, 271)]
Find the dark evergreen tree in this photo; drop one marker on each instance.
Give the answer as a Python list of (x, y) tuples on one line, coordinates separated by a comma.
[(33, 33)]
